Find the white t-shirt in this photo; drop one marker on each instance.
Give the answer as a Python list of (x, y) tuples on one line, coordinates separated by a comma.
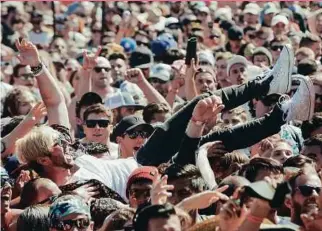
[(42, 38), (113, 173)]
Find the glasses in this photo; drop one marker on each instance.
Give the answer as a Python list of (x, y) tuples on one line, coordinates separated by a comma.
[(27, 76), (139, 43), (135, 134), (155, 80), (307, 190), (93, 123), (81, 223), (99, 69), (276, 48)]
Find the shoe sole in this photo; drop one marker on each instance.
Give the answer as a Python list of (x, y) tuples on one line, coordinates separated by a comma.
[(290, 56), (310, 88)]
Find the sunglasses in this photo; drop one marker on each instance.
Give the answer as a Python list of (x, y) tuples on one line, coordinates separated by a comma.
[(135, 134), (276, 48), (81, 224), (99, 69), (307, 190), (96, 31), (155, 80), (93, 123), (139, 43)]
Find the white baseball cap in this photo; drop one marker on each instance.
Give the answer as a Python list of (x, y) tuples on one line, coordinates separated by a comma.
[(279, 18), (235, 60), (252, 8)]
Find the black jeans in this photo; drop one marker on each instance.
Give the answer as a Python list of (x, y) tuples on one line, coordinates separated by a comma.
[(166, 140)]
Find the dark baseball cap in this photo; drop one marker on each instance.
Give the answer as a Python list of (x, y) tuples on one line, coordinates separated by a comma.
[(235, 33), (142, 57), (129, 123)]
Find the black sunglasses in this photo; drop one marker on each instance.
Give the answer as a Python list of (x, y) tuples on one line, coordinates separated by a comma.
[(81, 223), (139, 43), (99, 69), (101, 123), (135, 134), (307, 190), (276, 48)]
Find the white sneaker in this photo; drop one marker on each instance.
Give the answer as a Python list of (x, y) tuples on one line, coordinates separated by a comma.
[(282, 72), (301, 105)]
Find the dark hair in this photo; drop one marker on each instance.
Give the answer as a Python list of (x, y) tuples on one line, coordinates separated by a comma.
[(298, 161), (15, 72), (307, 67), (249, 28), (189, 171), (143, 216), (153, 108), (88, 99), (250, 170), (72, 76), (233, 182), (34, 218), (11, 102), (309, 39), (172, 55), (280, 39), (97, 109), (115, 56), (12, 124), (119, 218), (310, 126), (314, 141)]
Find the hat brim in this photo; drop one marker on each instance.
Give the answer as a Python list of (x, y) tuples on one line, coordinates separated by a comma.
[(143, 66), (261, 189), (143, 126)]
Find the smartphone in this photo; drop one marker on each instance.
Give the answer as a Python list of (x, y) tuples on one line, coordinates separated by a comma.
[(191, 50)]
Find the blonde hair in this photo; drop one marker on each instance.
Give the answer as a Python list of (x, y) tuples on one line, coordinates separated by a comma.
[(36, 143)]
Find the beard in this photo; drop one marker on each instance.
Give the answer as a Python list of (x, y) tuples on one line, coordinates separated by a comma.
[(63, 163), (297, 213)]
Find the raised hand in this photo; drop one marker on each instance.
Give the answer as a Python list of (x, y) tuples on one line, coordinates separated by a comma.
[(176, 84), (207, 109), (28, 53), (134, 75), (204, 199), (87, 191), (90, 61), (159, 192), (192, 69), (216, 148), (22, 179), (37, 113)]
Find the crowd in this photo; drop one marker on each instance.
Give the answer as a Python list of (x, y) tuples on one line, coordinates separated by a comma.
[(106, 124)]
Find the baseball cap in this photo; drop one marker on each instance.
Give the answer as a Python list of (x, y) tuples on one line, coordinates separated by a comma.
[(121, 99), (206, 56), (264, 51), (129, 123), (67, 205), (270, 8), (161, 71), (142, 57), (235, 33), (261, 189), (162, 43), (252, 8), (171, 21), (234, 60), (204, 9), (128, 44), (279, 18), (145, 172)]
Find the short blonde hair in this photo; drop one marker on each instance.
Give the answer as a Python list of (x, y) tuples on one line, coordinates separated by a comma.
[(37, 143)]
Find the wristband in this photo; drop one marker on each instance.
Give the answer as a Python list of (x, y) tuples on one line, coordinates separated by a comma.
[(38, 70), (254, 219), (196, 122)]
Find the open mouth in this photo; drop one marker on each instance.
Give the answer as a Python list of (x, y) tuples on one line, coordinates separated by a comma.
[(97, 135), (136, 148)]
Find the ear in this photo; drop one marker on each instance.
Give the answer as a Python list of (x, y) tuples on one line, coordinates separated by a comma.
[(45, 161), (110, 128), (79, 121), (288, 202), (119, 139)]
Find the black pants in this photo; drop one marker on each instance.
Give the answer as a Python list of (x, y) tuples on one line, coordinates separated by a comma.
[(166, 140)]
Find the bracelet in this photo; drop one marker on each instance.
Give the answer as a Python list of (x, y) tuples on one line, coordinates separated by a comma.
[(254, 219), (196, 122), (38, 70)]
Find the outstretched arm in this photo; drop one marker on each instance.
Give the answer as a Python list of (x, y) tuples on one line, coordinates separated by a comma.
[(51, 94)]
